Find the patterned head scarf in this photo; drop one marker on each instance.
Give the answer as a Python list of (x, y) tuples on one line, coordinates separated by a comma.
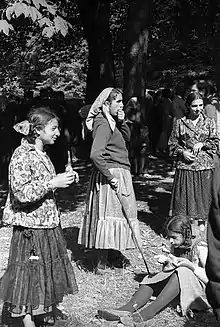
[(99, 106)]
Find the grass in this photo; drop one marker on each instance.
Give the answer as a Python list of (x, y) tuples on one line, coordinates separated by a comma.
[(117, 286)]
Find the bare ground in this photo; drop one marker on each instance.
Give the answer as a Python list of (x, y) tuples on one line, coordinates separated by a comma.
[(115, 287)]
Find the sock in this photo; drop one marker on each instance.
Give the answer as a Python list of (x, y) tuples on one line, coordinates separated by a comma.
[(169, 292), (140, 298)]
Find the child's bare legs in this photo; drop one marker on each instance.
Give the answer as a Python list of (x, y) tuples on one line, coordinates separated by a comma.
[(168, 293), (140, 298), (28, 322)]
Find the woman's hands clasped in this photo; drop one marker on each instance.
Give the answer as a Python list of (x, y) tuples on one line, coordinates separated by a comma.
[(197, 148), (188, 156)]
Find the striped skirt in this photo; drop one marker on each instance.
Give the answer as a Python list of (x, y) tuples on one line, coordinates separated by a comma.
[(39, 272), (191, 194), (104, 225)]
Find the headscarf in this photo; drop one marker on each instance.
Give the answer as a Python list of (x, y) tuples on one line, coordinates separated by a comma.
[(99, 106)]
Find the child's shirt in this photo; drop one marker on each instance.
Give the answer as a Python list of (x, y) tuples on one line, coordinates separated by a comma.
[(31, 200)]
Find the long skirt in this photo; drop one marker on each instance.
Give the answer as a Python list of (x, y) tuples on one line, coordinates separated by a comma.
[(192, 290), (105, 225), (191, 194), (39, 272)]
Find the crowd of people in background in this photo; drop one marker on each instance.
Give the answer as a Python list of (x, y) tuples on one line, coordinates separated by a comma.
[(182, 125), (15, 110)]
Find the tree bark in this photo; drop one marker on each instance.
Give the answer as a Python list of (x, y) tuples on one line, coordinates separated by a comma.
[(136, 37), (95, 21)]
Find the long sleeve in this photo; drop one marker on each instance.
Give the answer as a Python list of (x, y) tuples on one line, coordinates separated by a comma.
[(25, 187), (211, 144), (102, 134), (125, 131), (200, 268), (175, 148)]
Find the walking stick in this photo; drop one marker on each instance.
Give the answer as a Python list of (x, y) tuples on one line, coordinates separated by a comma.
[(120, 198)]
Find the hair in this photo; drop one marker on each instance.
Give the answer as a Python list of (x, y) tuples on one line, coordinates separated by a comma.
[(166, 93), (192, 97), (38, 118), (113, 95), (181, 225)]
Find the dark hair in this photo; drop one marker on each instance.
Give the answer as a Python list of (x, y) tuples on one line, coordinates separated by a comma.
[(166, 93), (192, 97), (38, 118), (181, 225), (113, 94)]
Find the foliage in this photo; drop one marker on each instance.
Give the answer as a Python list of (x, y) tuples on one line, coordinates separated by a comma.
[(29, 58), (34, 52), (41, 12)]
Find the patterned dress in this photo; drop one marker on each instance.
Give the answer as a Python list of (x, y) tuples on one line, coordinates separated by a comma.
[(191, 194), (39, 272)]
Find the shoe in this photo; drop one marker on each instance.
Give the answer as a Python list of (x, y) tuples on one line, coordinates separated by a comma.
[(60, 315), (113, 314)]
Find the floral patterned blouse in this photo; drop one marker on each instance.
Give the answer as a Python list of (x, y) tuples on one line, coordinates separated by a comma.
[(31, 201), (185, 135)]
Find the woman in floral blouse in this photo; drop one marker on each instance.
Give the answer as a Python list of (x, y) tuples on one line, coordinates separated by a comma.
[(193, 144), (39, 272)]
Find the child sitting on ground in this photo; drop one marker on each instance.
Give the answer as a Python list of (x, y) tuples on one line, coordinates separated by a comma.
[(183, 274)]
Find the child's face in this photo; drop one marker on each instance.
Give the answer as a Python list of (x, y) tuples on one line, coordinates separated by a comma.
[(175, 239), (49, 134)]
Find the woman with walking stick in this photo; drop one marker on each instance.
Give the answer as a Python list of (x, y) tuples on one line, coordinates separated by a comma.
[(105, 226)]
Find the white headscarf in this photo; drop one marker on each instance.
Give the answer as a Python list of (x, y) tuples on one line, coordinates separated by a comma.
[(99, 106)]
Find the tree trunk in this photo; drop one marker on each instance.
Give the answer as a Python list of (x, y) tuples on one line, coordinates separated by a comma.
[(136, 38), (95, 21)]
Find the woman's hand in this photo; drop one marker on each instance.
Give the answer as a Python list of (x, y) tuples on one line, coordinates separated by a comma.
[(121, 115), (62, 180), (188, 156), (114, 182), (183, 262), (197, 148)]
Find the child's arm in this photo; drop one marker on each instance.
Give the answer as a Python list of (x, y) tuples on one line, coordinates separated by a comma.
[(199, 272)]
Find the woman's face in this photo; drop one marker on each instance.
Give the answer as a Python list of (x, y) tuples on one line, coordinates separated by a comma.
[(196, 107), (50, 133), (194, 88), (175, 239), (116, 105)]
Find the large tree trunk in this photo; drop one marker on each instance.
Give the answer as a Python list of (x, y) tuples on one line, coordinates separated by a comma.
[(136, 37), (95, 21)]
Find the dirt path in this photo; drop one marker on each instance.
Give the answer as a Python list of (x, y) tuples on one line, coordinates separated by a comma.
[(114, 289)]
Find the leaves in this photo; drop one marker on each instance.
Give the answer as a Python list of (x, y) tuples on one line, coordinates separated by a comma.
[(5, 27), (40, 12)]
